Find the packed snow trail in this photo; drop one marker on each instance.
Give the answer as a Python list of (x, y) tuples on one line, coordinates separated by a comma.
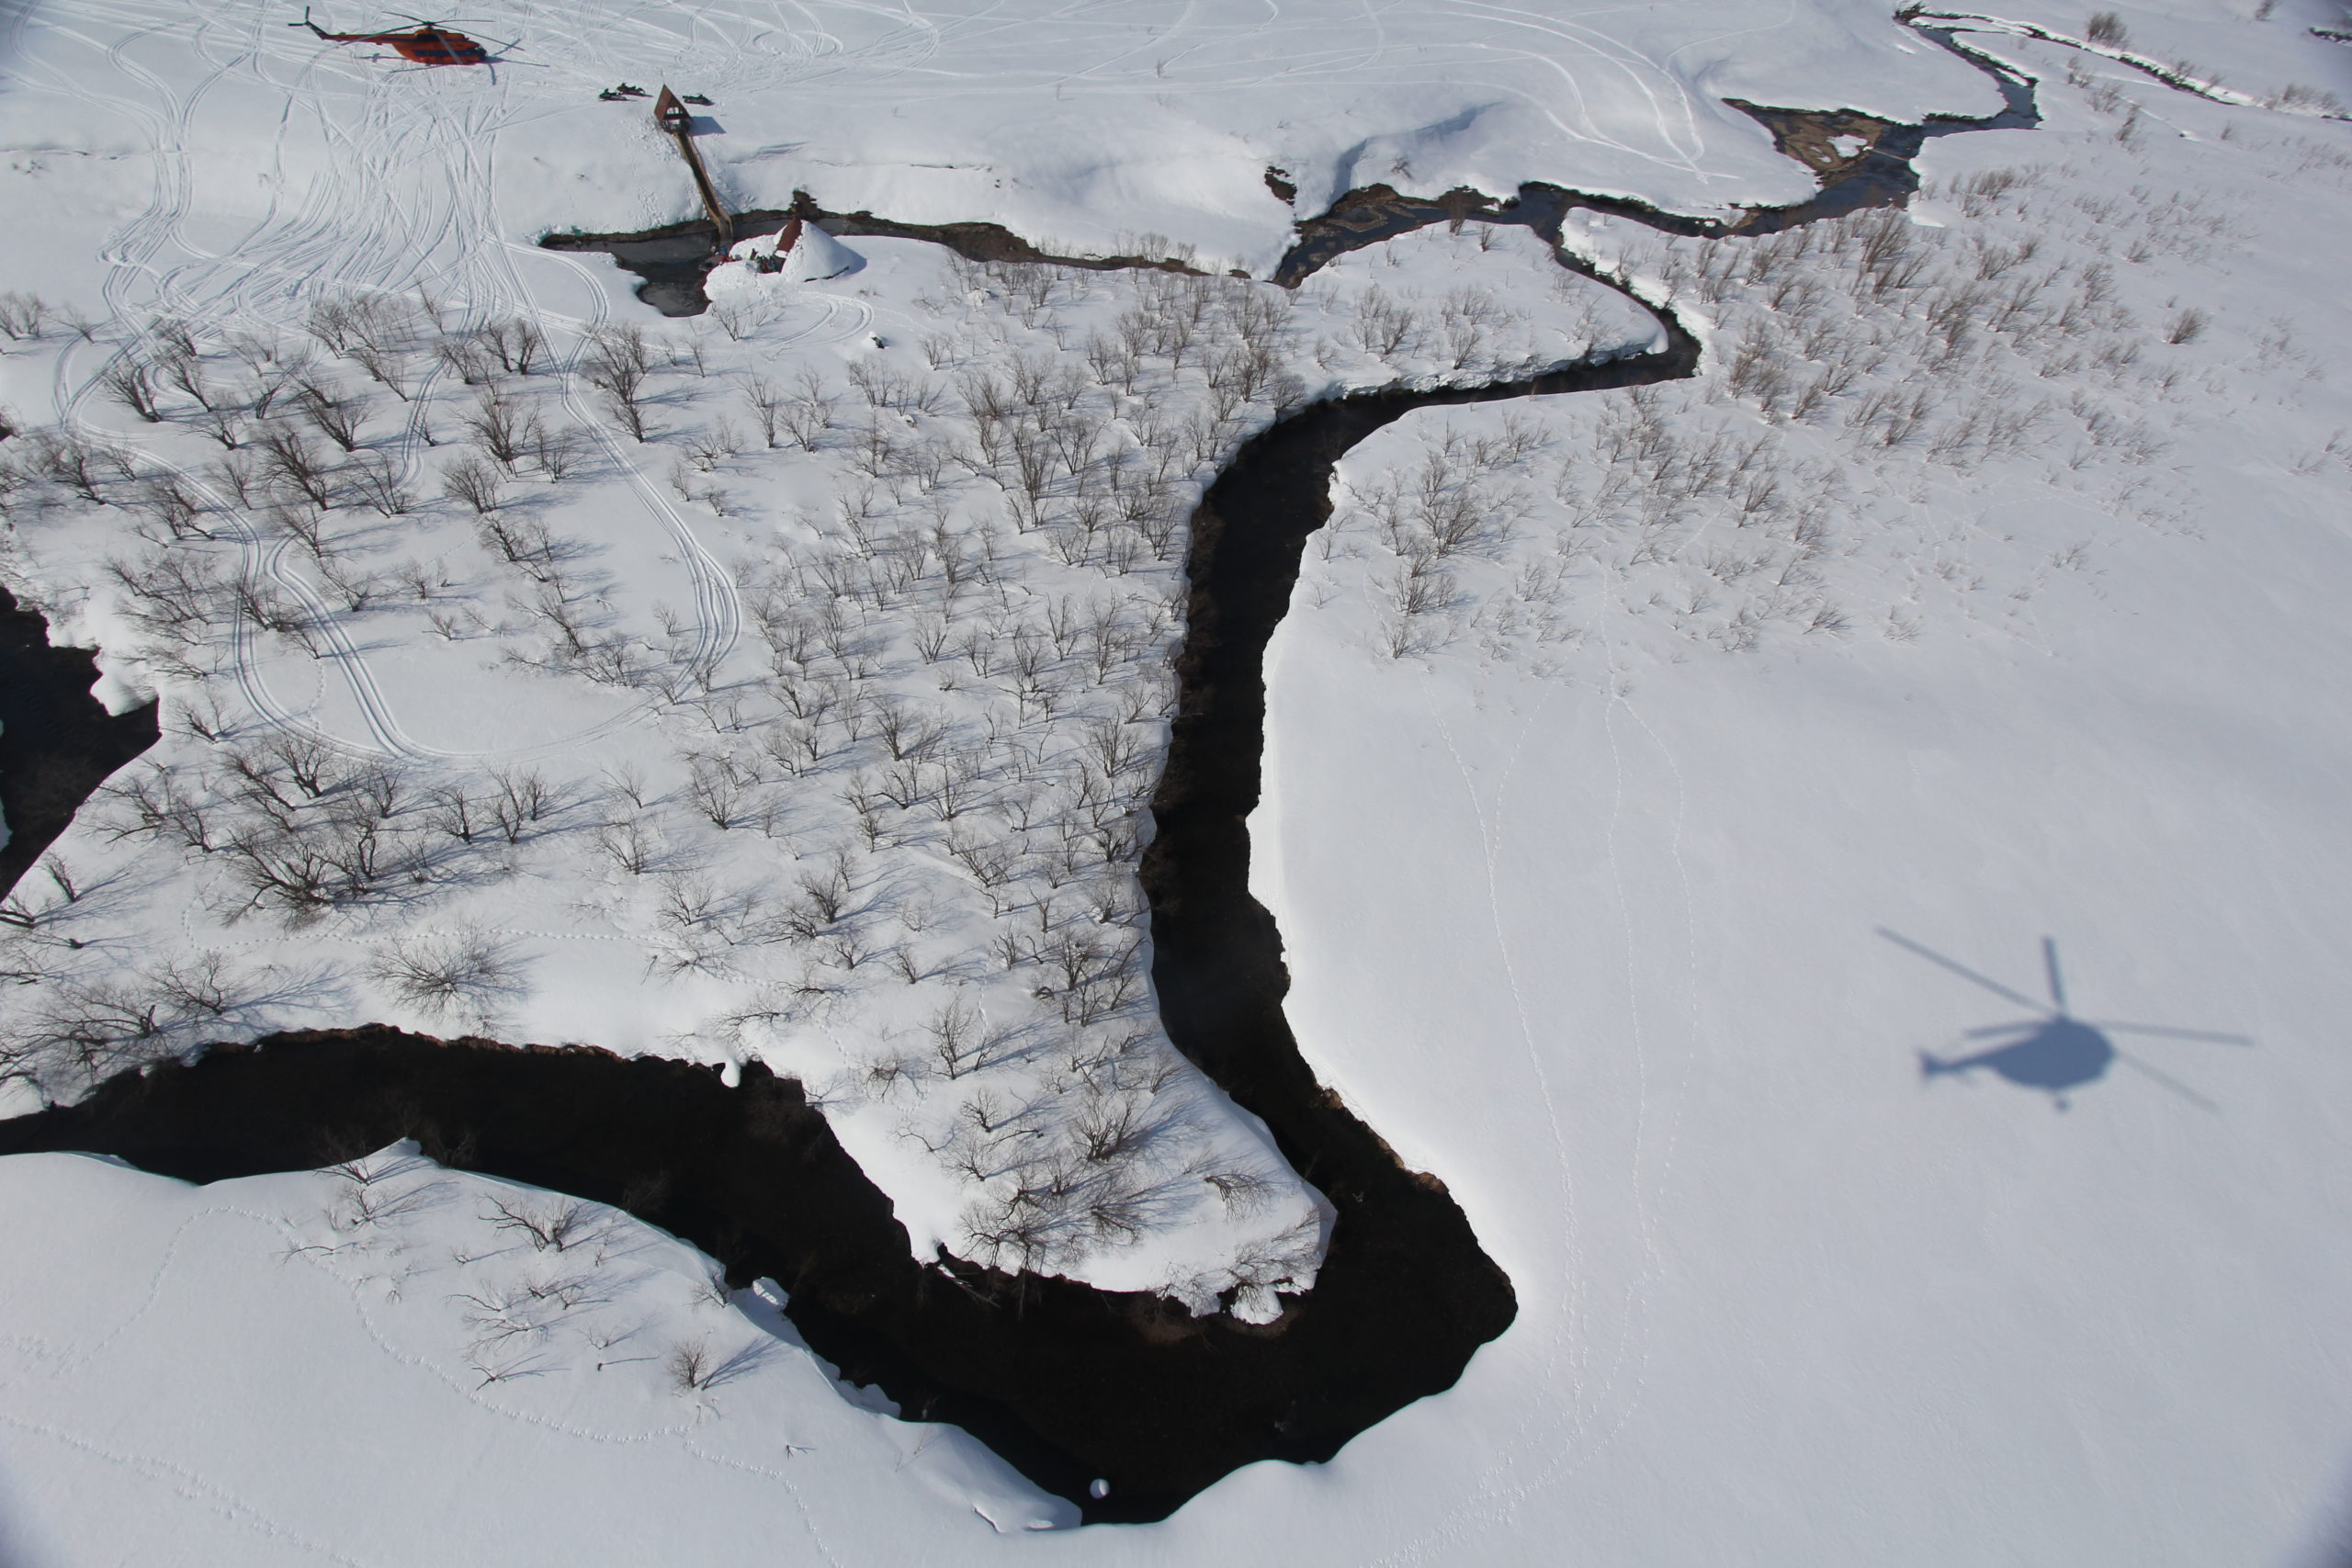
[(405, 200)]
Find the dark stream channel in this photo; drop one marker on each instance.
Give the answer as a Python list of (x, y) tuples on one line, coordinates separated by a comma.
[(1068, 1383), (673, 260)]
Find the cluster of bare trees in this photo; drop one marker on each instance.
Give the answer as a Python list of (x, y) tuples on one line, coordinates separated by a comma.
[(298, 830), (1908, 336), (89, 1010), (961, 712), (311, 458), (1459, 504), (531, 1282), (25, 318), (918, 803), (1096, 1145), (1864, 365), (1472, 331)]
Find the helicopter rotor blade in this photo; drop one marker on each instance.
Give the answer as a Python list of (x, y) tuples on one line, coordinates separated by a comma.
[(2050, 965), (2169, 1081), (2207, 1036), (1994, 1031), (1961, 970)]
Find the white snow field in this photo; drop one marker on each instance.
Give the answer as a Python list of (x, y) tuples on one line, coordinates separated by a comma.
[(1714, 828)]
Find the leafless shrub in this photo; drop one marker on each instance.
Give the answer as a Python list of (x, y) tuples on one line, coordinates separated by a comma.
[(500, 427), (448, 974), (333, 412), (129, 383), (475, 482), (291, 463), (550, 1225), (957, 1042), (23, 317), (618, 363), (515, 343), (1384, 325)]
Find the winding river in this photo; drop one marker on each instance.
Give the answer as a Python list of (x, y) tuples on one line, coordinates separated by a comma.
[(1070, 1383)]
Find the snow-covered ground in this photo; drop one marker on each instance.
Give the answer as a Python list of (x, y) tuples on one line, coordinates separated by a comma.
[(387, 1362), (1709, 797), (1658, 783)]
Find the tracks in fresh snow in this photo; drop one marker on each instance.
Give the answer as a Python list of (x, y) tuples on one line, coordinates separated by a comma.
[(417, 157)]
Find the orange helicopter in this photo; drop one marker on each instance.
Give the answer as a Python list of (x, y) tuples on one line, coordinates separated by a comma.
[(428, 43)]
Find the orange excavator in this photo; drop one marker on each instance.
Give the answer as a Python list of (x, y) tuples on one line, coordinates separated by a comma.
[(428, 43)]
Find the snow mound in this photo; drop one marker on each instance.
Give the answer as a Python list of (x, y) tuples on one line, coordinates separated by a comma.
[(815, 257)]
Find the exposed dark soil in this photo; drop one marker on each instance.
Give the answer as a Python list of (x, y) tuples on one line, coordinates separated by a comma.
[(58, 743)]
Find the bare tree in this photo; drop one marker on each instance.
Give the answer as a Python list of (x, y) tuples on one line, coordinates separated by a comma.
[(224, 422), (1384, 325), (447, 975), (522, 798), (557, 452), (467, 359), (475, 482), (617, 364), (716, 791), (23, 317), (550, 1225), (515, 343), (378, 479), (129, 383), (172, 504), (808, 414), (766, 403), (334, 414), (500, 427), (289, 460), (957, 1042)]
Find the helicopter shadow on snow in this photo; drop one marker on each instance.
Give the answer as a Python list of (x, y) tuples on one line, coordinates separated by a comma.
[(2052, 1051)]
